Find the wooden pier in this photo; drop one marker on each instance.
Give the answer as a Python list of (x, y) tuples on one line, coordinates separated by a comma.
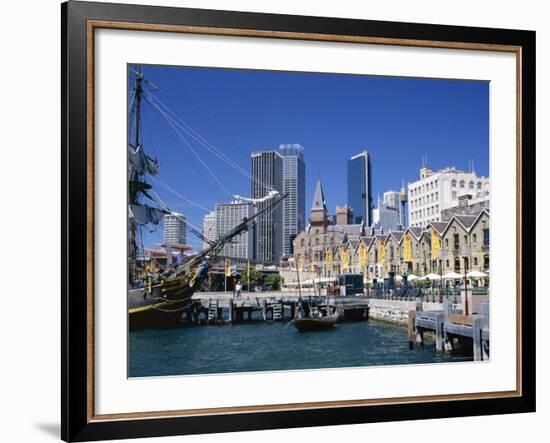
[(222, 308), (451, 328)]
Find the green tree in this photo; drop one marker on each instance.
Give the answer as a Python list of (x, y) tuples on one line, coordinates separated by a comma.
[(274, 280), (256, 278)]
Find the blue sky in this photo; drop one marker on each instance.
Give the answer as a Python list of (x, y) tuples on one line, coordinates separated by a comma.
[(333, 116)]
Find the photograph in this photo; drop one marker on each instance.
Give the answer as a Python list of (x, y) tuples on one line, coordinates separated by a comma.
[(276, 220), (286, 220)]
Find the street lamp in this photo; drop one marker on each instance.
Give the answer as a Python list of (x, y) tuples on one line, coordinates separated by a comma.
[(440, 259), (465, 252)]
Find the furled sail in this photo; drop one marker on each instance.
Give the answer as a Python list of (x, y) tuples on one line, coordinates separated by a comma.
[(143, 214), (142, 163)]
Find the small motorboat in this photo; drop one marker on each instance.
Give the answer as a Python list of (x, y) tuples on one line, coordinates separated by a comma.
[(316, 323)]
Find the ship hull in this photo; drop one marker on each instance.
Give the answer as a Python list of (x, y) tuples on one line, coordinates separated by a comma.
[(147, 313)]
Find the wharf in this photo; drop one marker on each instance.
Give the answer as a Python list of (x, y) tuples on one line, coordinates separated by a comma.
[(220, 307), (451, 328)]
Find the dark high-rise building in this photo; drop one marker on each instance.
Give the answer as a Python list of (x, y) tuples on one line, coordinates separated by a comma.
[(360, 188), (294, 184), (267, 174)]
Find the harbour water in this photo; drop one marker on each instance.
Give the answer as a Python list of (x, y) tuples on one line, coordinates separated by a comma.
[(270, 346)]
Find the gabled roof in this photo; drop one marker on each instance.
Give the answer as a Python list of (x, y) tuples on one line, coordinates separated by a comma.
[(319, 203), (467, 221), (380, 237), (367, 240), (439, 226), (353, 243), (416, 231), (397, 235), (478, 216)]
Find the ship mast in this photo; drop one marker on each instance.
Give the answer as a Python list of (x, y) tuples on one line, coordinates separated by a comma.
[(139, 165), (132, 196)]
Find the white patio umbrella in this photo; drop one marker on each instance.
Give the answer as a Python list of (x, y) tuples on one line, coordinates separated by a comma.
[(432, 277), (476, 274), (452, 275), (412, 277)]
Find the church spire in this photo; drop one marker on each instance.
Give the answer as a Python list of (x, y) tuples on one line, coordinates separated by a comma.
[(319, 203)]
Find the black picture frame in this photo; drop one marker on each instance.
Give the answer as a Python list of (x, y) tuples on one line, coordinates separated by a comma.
[(77, 423)]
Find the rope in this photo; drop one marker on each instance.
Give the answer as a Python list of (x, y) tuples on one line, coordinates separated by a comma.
[(177, 194), (192, 150), (190, 131), (156, 308)]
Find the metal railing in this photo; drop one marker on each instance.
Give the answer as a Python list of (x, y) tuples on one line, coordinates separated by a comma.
[(434, 295)]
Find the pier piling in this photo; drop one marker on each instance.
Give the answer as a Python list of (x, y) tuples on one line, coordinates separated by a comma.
[(477, 327), (230, 313), (410, 329), (439, 338)]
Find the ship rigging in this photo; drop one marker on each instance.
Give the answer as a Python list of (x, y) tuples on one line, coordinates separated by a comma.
[(157, 299)]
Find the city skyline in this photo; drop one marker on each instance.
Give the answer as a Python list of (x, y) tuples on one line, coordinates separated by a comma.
[(398, 121)]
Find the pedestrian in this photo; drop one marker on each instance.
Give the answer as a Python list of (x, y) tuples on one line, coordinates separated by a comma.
[(238, 289)]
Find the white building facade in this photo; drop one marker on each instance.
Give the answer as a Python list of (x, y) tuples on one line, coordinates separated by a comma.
[(437, 191), (229, 215), (209, 227), (175, 229)]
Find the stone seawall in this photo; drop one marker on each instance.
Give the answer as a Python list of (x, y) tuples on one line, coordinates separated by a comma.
[(397, 311)]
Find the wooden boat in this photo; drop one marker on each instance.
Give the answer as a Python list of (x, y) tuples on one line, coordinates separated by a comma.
[(309, 324)]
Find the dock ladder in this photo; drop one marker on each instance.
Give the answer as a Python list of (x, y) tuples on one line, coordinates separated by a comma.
[(212, 310), (278, 311)]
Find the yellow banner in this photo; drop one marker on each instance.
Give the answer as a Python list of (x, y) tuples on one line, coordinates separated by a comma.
[(436, 245), (407, 249), (300, 263), (362, 255), (382, 252), (227, 267), (328, 258), (344, 262)]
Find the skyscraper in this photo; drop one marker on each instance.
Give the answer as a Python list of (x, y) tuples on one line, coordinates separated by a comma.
[(391, 199), (175, 229), (209, 227), (294, 183), (267, 174), (386, 216), (360, 188), (229, 215)]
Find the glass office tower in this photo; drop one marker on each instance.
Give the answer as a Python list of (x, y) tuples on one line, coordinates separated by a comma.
[(267, 174), (294, 184), (360, 188)]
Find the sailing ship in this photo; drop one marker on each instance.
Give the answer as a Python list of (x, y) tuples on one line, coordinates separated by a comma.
[(156, 297)]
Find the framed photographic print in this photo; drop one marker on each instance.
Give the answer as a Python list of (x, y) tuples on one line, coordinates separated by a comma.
[(277, 221)]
